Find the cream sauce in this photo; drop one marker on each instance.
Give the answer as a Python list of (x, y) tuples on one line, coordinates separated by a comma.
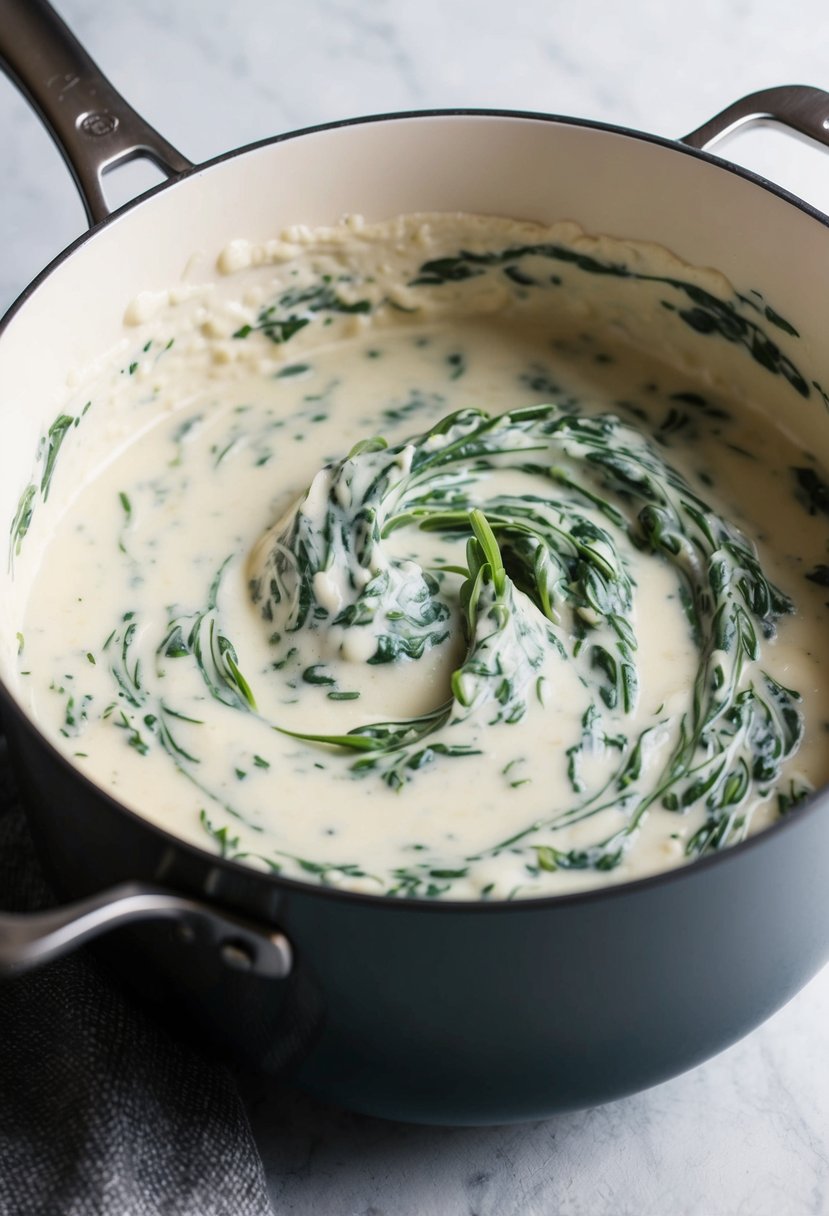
[(175, 674)]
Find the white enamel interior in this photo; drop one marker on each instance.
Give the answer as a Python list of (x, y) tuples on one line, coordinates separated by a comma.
[(521, 167)]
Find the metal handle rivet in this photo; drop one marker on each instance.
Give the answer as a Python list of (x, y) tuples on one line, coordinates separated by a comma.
[(237, 955), (97, 123)]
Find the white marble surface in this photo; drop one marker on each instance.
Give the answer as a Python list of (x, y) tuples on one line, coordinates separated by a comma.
[(749, 1131)]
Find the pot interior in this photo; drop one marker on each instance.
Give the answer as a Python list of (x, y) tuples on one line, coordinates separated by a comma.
[(77, 319)]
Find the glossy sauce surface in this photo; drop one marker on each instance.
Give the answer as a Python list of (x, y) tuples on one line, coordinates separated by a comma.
[(179, 679)]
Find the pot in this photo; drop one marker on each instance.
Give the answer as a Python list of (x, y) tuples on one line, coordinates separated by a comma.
[(440, 1012)]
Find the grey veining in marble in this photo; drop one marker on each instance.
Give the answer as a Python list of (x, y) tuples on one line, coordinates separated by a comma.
[(746, 1134)]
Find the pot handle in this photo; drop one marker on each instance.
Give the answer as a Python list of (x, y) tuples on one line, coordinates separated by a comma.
[(28, 939), (93, 126), (800, 107)]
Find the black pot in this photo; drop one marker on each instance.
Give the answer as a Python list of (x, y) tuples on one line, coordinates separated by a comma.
[(432, 1011)]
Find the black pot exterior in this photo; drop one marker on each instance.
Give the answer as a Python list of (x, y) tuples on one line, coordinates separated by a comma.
[(462, 1014)]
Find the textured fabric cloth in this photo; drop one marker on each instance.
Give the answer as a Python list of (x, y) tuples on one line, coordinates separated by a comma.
[(102, 1112)]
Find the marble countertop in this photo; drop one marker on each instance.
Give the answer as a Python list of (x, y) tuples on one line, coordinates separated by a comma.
[(747, 1132)]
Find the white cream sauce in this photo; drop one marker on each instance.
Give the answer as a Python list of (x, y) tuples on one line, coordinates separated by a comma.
[(176, 698)]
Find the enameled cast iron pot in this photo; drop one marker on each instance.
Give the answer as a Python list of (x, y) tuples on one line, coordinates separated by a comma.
[(440, 1012)]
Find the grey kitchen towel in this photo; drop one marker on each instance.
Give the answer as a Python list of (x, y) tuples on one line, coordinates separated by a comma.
[(102, 1112)]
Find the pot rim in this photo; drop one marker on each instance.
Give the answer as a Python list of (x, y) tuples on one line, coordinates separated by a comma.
[(687, 870)]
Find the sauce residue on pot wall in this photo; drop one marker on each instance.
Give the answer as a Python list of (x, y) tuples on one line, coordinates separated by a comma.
[(437, 558)]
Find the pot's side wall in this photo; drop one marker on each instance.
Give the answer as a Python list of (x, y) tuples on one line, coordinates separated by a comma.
[(471, 1019), (466, 1015)]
